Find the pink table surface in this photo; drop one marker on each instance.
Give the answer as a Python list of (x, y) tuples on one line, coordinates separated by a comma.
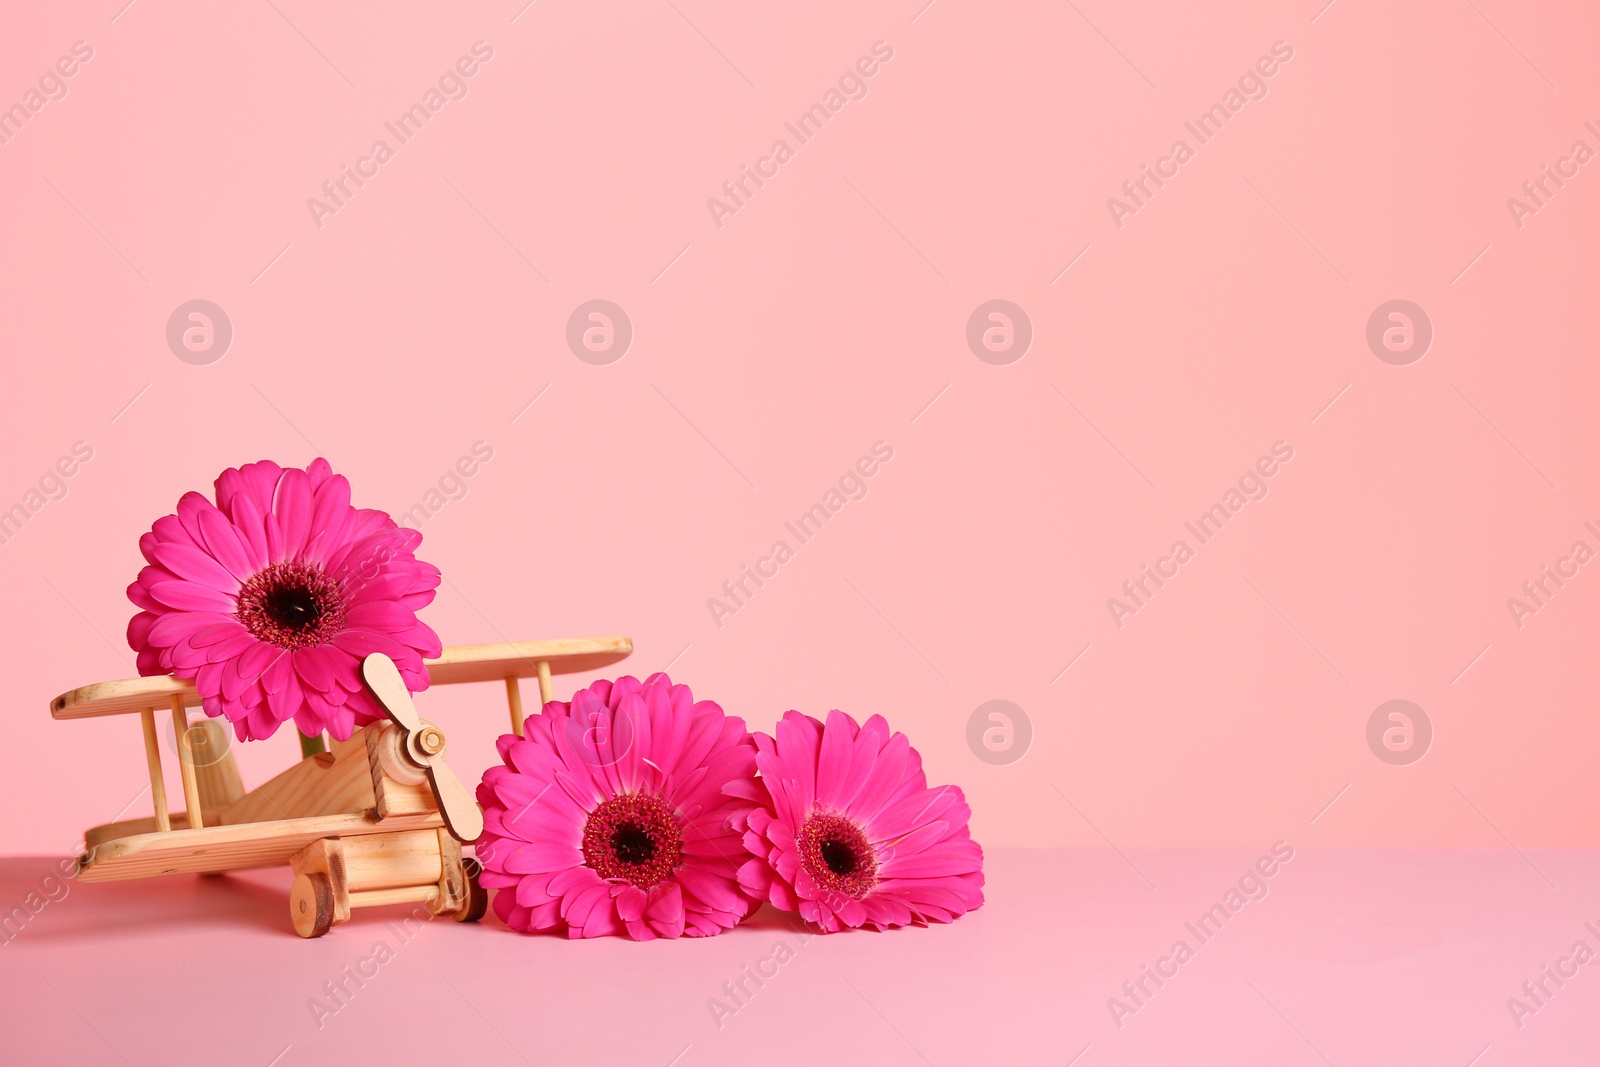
[(1351, 957)]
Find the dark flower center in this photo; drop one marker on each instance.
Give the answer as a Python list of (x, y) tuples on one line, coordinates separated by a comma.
[(837, 855), (632, 843), (292, 605), (633, 838)]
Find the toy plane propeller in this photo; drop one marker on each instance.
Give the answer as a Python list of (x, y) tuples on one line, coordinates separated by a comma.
[(423, 744)]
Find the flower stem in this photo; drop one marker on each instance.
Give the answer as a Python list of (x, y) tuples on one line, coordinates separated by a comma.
[(310, 746)]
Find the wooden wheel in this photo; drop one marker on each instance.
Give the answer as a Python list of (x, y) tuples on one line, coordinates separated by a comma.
[(477, 897), (311, 904)]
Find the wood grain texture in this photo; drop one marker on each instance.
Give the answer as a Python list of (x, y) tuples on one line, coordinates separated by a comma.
[(377, 898), (454, 892), (191, 782), (329, 783), (546, 691), (461, 663), (514, 703), (384, 861), (326, 858), (122, 697), (424, 744), (311, 902), (231, 848), (152, 758), (391, 796), (355, 835), (488, 663), (216, 775), (95, 835), (339, 782)]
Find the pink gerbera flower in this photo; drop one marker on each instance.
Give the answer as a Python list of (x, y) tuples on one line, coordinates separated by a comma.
[(270, 598), (854, 835), (616, 813)]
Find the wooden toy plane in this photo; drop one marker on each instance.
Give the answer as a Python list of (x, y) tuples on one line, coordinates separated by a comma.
[(379, 819)]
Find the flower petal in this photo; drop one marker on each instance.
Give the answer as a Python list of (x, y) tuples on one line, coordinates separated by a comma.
[(187, 561), (292, 505), (192, 596)]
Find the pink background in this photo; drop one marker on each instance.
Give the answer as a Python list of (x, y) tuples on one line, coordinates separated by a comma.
[(830, 313), (805, 329)]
